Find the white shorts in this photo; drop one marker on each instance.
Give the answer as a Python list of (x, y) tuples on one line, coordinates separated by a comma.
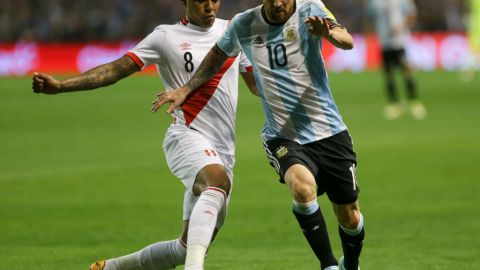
[(187, 152)]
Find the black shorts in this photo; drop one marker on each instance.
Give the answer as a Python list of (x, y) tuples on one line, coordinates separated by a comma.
[(393, 58), (332, 161)]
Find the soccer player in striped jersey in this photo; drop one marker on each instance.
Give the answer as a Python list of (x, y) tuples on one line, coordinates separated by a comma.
[(199, 145), (393, 20), (304, 135)]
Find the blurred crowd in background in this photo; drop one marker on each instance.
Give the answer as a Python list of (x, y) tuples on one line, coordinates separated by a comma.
[(115, 20)]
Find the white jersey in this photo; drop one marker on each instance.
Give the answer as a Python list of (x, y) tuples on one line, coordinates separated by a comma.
[(177, 51), (290, 72), (390, 19)]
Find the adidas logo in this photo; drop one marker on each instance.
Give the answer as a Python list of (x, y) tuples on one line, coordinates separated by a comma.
[(258, 40)]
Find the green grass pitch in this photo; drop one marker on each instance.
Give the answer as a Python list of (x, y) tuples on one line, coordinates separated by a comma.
[(83, 177)]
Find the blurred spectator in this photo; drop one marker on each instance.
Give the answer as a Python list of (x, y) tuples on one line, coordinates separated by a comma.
[(114, 20)]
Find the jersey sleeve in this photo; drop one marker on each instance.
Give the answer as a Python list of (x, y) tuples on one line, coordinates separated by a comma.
[(245, 65), (228, 42), (318, 8), (150, 50)]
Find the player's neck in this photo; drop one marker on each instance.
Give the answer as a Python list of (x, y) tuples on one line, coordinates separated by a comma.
[(195, 24)]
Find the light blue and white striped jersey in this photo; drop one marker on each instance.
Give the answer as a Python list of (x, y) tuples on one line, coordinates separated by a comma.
[(290, 72), (390, 21)]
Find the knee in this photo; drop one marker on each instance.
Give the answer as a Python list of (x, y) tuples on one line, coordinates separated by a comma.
[(212, 176), (302, 184), (184, 235), (219, 179), (302, 192), (221, 183), (350, 220), (348, 216)]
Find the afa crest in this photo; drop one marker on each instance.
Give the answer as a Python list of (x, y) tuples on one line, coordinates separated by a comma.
[(290, 34), (281, 151)]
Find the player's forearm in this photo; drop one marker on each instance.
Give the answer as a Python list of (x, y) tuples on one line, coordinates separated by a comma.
[(211, 64), (340, 38), (100, 76), (249, 80)]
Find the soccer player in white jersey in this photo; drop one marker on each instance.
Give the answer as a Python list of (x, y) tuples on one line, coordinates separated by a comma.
[(393, 20), (304, 135), (199, 145)]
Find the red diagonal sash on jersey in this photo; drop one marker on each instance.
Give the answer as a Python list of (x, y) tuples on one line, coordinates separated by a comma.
[(200, 97)]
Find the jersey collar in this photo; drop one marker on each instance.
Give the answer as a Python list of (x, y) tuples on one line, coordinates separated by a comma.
[(187, 23)]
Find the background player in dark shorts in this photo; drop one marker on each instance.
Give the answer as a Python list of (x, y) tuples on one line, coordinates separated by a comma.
[(393, 20)]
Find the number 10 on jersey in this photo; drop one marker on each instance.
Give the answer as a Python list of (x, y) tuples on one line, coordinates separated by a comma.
[(277, 55)]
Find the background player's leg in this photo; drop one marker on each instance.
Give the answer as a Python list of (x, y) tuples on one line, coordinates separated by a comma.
[(409, 83), (213, 186), (407, 76), (302, 185), (393, 110), (388, 69), (352, 233), (417, 109), (390, 86)]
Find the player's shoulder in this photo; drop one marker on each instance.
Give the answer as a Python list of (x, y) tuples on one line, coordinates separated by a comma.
[(220, 24), (165, 28), (318, 3), (247, 16), (313, 7)]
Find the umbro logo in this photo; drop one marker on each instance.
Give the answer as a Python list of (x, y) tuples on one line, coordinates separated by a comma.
[(258, 41), (185, 46)]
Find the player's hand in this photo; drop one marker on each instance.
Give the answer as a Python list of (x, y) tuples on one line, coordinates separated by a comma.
[(318, 26), (175, 98), (44, 83)]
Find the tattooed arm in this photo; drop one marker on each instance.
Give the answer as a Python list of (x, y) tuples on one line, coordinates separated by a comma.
[(249, 80), (211, 64), (99, 76)]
